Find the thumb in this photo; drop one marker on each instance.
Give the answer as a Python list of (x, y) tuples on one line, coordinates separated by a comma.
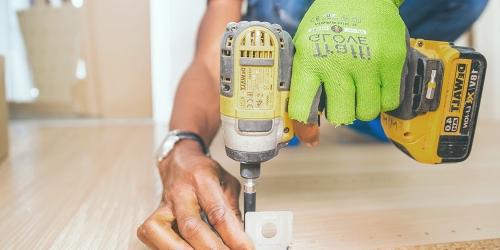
[(307, 133)]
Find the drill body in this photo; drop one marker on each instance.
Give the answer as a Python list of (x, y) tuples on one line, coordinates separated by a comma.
[(435, 123), (256, 61)]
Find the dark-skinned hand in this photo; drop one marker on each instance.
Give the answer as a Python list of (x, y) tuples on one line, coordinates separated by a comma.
[(194, 183)]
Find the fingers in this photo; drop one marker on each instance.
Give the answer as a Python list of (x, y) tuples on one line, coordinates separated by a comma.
[(341, 102), (304, 103), (392, 74), (307, 133), (220, 211), (367, 96), (305, 96), (390, 92), (231, 188), (157, 233), (191, 227)]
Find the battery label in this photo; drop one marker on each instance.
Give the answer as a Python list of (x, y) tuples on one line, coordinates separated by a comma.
[(470, 99), (256, 88), (458, 87), (451, 124), (461, 107), (453, 121)]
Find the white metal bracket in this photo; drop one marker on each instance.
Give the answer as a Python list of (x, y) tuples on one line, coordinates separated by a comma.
[(270, 230)]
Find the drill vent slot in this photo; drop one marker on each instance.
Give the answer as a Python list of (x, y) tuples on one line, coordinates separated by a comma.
[(417, 84), (226, 52), (229, 41), (257, 48), (227, 79), (257, 38), (225, 84), (256, 54)]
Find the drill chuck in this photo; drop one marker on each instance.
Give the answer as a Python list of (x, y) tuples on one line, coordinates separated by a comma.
[(250, 170)]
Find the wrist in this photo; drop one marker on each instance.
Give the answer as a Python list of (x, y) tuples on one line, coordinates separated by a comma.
[(182, 151), (188, 146), (177, 137)]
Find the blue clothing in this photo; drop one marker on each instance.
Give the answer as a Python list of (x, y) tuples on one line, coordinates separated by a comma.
[(442, 20)]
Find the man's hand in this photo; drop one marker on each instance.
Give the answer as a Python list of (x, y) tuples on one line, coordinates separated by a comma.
[(356, 50), (194, 183)]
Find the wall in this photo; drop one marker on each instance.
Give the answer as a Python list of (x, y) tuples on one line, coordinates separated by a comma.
[(174, 26), (119, 56), (19, 84), (111, 38), (4, 27)]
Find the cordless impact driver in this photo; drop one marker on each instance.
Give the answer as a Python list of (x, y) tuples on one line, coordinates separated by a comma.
[(435, 123)]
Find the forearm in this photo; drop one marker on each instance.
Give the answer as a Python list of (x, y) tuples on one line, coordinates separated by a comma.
[(196, 107)]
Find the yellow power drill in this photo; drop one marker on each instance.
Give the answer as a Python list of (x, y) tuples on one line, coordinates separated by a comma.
[(435, 123), (256, 61)]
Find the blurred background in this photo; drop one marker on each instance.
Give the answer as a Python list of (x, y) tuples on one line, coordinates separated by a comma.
[(124, 58)]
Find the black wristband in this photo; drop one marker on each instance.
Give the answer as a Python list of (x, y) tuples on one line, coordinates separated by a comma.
[(183, 135)]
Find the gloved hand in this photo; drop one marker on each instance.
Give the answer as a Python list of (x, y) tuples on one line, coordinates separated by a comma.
[(357, 50)]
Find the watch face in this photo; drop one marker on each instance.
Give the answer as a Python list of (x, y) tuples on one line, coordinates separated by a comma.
[(166, 147), (169, 144)]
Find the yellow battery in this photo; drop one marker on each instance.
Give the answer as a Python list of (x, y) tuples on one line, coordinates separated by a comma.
[(442, 89)]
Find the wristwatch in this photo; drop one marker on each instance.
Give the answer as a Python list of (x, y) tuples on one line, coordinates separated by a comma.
[(172, 138)]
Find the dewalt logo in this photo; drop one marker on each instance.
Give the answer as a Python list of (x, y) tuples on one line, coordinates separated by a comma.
[(458, 89)]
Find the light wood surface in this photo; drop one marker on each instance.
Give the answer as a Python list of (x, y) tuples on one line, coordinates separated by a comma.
[(89, 184)]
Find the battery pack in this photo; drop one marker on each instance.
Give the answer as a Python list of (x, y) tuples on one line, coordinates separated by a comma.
[(437, 118)]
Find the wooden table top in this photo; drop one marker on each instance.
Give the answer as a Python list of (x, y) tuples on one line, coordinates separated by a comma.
[(89, 184)]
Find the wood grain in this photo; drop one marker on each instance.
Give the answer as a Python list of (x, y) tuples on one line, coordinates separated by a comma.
[(493, 244), (89, 184)]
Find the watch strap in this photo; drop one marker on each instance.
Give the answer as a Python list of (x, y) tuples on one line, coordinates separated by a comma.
[(175, 136), (184, 135)]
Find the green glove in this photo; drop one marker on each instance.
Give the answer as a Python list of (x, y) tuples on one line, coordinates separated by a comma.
[(357, 50)]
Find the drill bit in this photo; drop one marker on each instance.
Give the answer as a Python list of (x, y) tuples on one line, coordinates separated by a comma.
[(249, 172), (249, 195)]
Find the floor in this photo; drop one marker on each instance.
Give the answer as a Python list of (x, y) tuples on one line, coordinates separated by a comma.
[(88, 184)]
